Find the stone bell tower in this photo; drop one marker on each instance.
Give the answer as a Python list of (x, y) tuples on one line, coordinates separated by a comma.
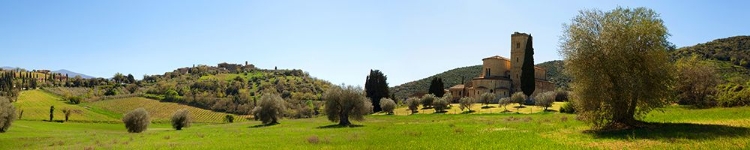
[(517, 51)]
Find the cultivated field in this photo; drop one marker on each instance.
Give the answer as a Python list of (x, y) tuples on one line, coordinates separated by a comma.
[(677, 128), (159, 111), (36, 105)]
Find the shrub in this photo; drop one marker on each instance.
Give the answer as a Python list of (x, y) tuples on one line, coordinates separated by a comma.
[(387, 105), (230, 118), (75, 99), (271, 109), (486, 98), (440, 105), (427, 100), (137, 120), (561, 96), (544, 99), (68, 112), (180, 119), (110, 92), (413, 104), (7, 114), (466, 103), (568, 108)]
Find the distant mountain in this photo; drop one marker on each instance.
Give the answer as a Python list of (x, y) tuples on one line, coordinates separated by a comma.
[(72, 74), (8, 68), (732, 56)]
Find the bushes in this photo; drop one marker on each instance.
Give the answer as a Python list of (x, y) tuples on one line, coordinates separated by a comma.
[(561, 96), (180, 119), (137, 120), (486, 98), (230, 118), (413, 104), (544, 99), (427, 100), (568, 108), (7, 114), (730, 95), (67, 112), (466, 103), (440, 105), (270, 109), (387, 105), (75, 99)]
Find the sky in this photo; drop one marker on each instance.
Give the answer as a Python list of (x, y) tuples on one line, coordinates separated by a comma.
[(337, 41)]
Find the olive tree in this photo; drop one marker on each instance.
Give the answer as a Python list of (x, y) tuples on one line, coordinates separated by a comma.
[(387, 105), (545, 99), (137, 121), (466, 103), (440, 104), (270, 109), (413, 104), (346, 102), (619, 65), (7, 114), (427, 100), (181, 119), (486, 98), (519, 98), (505, 101)]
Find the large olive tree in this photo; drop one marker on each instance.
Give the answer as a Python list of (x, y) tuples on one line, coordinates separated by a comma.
[(619, 64), (346, 102)]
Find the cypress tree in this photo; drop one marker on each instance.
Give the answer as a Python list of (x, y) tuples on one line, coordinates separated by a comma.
[(376, 88), (527, 70)]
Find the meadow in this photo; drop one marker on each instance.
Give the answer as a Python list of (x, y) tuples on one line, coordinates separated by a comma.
[(421, 131), (674, 127)]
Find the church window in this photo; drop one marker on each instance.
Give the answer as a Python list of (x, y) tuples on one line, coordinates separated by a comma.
[(518, 45)]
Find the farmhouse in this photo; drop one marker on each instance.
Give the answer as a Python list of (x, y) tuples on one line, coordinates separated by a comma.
[(502, 76)]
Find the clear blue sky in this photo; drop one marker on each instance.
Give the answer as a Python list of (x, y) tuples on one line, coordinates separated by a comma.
[(338, 41)]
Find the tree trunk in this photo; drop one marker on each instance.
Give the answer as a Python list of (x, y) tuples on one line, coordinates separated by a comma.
[(344, 119)]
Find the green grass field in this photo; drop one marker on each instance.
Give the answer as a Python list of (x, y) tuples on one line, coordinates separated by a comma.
[(675, 128), (720, 128)]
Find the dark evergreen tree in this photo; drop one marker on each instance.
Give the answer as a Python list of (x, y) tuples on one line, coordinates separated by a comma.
[(376, 88), (131, 79), (527, 70), (437, 87)]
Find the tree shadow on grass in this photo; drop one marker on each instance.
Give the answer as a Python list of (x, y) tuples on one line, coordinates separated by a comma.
[(263, 125), (487, 107), (336, 126), (671, 131), (468, 112)]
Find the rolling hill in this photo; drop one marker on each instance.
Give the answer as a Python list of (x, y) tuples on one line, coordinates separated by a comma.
[(36, 106), (72, 74), (731, 56)]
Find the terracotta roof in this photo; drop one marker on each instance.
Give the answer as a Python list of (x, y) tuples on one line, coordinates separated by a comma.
[(497, 57), (460, 86)]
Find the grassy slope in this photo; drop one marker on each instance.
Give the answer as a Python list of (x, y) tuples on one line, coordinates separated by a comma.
[(422, 131), (159, 111), (36, 103)]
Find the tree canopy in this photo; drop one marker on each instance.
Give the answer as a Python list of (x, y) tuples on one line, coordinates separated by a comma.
[(619, 65), (376, 88)]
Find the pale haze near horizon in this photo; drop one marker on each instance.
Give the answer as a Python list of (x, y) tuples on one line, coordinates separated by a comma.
[(338, 41)]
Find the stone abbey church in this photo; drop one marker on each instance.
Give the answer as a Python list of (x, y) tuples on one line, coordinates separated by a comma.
[(502, 76)]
